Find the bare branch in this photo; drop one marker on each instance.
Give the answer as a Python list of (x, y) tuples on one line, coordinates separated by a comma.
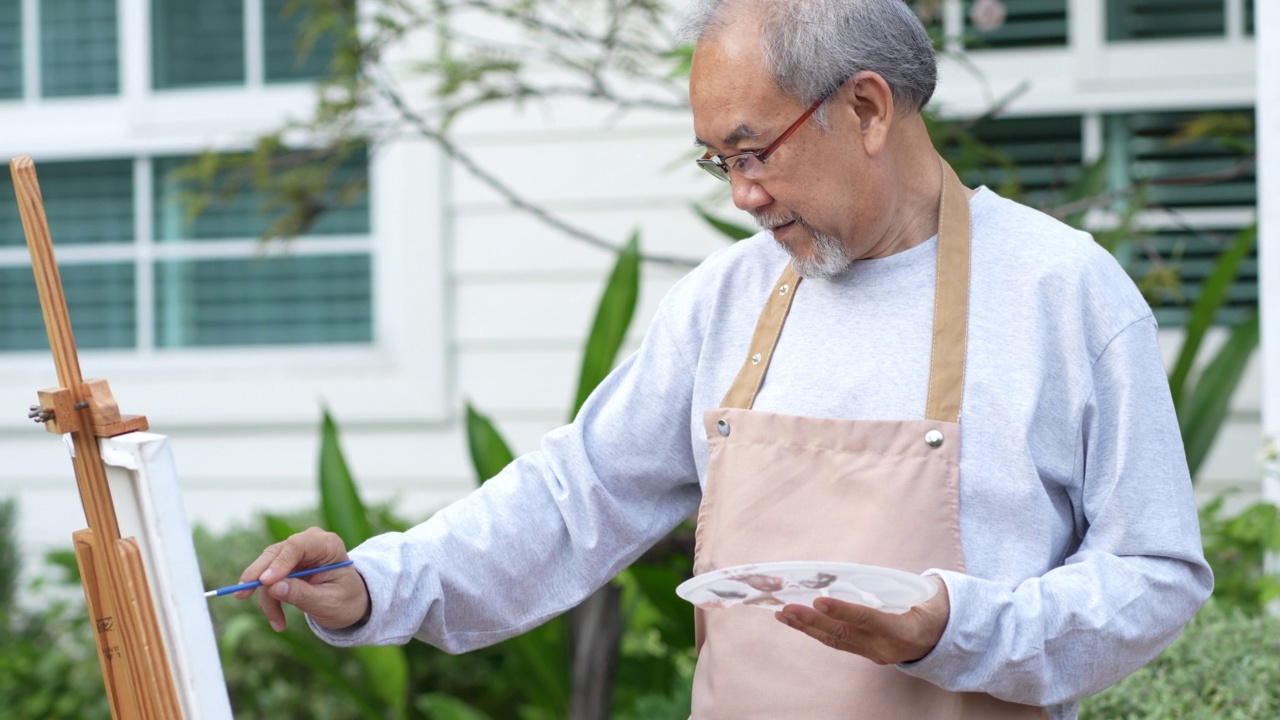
[(509, 194)]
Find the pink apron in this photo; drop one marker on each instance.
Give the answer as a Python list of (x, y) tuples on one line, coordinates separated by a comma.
[(879, 492)]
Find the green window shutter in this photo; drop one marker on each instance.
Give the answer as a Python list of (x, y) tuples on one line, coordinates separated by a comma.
[(1145, 19), (1155, 154), (10, 49), (1186, 176), (79, 51), (100, 301), (1248, 17), (1031, 158), (285, 59), (87, 202), (1027, 23), (197, 42), (264, 301), (244, 215), (1193, 254)]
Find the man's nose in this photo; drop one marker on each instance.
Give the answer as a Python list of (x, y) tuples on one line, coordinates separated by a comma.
[(749, 195)]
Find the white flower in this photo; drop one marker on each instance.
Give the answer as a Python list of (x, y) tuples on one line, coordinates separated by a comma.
[(987, 15)]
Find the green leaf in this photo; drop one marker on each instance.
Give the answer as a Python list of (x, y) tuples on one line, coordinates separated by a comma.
[(489, 452), (1213, 293), (731, 230), (387, 672), (344, 512), (541, 666), (301, 643), (278, 528), (613, 317), (1202, 415), (438, 706)]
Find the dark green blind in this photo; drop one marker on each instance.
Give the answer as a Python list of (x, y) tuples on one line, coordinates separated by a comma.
[(1193, 254), (79, 52), (1222, 177), (285, 58), (1147, 19), (1185, 176), (100, 301), (1028, 23), (10, 49), (264, 301), (1248, 17), (1033, 158), (87, 202), (245, 215), (197, 42)]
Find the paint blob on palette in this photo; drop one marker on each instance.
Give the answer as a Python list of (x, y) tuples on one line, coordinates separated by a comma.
[(773, 585)]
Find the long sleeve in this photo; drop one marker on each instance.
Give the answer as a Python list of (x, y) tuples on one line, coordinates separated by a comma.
[(1135, 579), (549, 529)]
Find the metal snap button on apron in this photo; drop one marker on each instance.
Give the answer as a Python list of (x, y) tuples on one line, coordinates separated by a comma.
[(933, 439), (723, 427), (783, 290), (755, 359)]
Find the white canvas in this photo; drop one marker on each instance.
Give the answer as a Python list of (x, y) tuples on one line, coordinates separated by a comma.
[(148, 505)]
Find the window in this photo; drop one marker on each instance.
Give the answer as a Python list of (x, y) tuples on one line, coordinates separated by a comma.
[(10, 50), (284, 60), (79, 49), (90, 207), (1248, 17), (1148, 19), (1204, 192), (1034, 157), (205, 283), (1027, 23), (196, 44)]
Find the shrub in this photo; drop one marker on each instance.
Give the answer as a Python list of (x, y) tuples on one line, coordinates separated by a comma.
[(1225, 666)]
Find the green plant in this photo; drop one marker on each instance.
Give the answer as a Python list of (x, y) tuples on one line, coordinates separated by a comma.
[(1225, 666), (1236, 547), (48, 663)]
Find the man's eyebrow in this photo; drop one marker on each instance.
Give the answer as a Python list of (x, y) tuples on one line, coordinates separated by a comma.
[(742, 132)]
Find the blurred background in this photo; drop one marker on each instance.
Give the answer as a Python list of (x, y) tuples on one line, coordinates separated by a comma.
[(414, 213)]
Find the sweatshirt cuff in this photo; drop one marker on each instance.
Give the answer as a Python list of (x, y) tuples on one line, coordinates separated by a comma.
[(946, 661)]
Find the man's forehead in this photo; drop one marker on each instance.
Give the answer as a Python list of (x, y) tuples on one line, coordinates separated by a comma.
[(732, 94)]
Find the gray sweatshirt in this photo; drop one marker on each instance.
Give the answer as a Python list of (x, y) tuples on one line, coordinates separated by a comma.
[(1080, 533)]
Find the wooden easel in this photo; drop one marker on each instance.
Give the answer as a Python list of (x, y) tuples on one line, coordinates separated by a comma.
[(135, 668)]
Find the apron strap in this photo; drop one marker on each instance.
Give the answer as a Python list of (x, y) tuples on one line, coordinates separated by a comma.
[(742, 393), (950, 302), (950, 315)]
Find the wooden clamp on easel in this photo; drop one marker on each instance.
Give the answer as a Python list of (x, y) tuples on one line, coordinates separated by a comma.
[(131, 648)]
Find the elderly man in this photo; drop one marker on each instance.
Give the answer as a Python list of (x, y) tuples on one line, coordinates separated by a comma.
[(956, 385)]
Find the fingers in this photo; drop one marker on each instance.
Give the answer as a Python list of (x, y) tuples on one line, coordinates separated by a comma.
[(842, 626), (307, 549)]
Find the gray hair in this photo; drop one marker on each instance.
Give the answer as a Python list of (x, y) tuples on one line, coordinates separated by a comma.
[(812, 46)]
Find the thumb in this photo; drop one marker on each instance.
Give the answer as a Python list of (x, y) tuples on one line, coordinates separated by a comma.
[(296, 592)]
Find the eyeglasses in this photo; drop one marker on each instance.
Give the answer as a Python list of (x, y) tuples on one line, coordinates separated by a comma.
[(750, 164)]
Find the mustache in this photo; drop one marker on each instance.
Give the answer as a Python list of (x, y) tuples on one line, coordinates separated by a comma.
[(769, 221)]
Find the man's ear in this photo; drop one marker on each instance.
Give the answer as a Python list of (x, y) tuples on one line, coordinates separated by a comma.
[(868, 95)]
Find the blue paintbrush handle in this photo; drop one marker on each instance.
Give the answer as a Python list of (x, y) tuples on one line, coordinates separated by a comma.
[(257, 583)]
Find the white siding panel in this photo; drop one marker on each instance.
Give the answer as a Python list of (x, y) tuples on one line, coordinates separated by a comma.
[(511, 242), (542, 313), (592, 167)]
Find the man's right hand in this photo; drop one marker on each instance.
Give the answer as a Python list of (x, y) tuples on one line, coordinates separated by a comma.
[(335, 599)]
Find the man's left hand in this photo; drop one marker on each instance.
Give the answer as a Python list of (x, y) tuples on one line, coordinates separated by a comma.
[(883, 638)]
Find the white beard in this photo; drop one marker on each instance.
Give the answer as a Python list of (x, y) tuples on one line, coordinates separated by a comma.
[(829, 255)]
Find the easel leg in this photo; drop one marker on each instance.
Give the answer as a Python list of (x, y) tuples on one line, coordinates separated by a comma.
[(109, 639), (147, 648)]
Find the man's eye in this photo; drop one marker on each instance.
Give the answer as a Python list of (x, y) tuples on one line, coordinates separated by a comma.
[(741, 162)]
